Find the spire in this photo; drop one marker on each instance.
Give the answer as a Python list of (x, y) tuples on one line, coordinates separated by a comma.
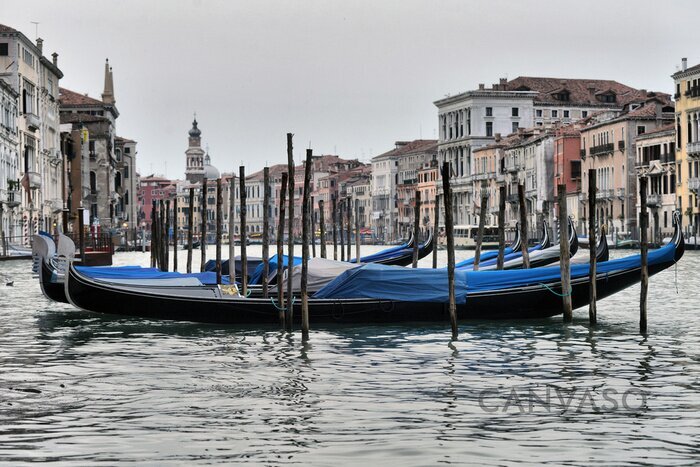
[(195, 132), (108, 93)]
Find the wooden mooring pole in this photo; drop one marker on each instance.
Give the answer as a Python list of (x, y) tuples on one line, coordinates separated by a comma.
[(231, 229), (501, 227), (342, 231), (81, 234), (313, 228), (322, 224), (219, 230), (280, 249), (643, 245), (564, 263), (175, 236), (523, 226), (416, 229), (162, 243), (348, 212), (305, 212), (290, 240), (266, 232), (358, 237), (436, 231), (244, 232), (482, 223), (449, 231), (203, 239), (592, 247), (190, 230), (334, 224), (154, 230), (166, 244)]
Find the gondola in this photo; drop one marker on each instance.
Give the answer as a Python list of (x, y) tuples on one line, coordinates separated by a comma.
[(358, 296)]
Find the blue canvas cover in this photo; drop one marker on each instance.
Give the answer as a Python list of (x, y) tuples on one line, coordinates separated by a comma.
[(256, 277), (430, 285), (137, 272), (388, 253), (485, 256)]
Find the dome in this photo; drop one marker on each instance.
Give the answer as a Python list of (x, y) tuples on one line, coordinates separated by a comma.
[(195, 132), (210, 172)]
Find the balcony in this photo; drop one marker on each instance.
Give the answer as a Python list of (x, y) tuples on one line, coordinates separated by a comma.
[(34, 180), (513, 168), (621, 145), (604, 194), (33, 121), (602, 149), (620, 193), (654, 200), (513, 199), (582, 197), (484, 176), (694, 149), (583, 153), (12, 198), (694, 184)]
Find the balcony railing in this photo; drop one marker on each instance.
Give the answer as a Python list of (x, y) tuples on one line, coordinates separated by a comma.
[(33, 121), (583, 153), (13, 198), (694, 184), (694, 148), (602, 149), (34, 179), (621, 145), (620, 193), (484, 176), (654, 200), (604, 194)]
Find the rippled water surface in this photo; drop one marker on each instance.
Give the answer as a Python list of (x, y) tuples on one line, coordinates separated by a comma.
[(85, 389)]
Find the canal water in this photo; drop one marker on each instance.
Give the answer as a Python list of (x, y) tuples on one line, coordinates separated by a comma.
[(84, 389)]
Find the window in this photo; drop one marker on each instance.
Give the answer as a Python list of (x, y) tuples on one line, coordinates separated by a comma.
[(489, 111), (28, 98), (3, 49), (514, 112), (555, 114), (641, 129), (538, 112), (515, 126), (566, 114), (489, 129), (584, 113), (28, 58)]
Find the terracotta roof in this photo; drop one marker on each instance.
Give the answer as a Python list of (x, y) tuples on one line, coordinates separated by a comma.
[(68, 98), (274, 170), (123, 140), (656, 131), (581, 91), (403, 148), (6, 29), (81, 118)]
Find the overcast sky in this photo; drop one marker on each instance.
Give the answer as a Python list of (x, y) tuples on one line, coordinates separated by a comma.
[(346, 77)]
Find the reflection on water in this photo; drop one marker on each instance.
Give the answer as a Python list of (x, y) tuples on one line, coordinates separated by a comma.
[(82, 388)]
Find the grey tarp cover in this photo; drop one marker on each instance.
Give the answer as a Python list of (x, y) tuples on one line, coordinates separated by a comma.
[(321, 272)]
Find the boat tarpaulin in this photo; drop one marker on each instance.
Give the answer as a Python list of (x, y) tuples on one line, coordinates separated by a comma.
[(136, 272), (430, 285), (321, 272), (388, 253), (256, 277)]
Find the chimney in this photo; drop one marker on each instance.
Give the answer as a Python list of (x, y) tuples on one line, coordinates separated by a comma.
[(55, 59), (497, 137), (108, 93), (503, 81), (400, 144), (563, 83), (684, 64), (481, 86), (40, 44), (495, 86)]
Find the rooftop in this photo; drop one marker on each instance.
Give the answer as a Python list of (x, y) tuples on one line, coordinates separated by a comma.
[(404, 148), (68, 98)]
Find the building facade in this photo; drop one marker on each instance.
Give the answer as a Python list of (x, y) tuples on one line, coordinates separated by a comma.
[(10, 195), (35, 79)]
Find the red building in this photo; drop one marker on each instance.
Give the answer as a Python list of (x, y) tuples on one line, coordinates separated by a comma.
[(154, 188)]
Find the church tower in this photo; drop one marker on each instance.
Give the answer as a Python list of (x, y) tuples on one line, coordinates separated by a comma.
[(194, 173)]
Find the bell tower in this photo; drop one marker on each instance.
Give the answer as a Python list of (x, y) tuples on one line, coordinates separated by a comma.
[(194, 172)]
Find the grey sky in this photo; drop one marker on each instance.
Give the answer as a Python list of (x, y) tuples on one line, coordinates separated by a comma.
[(350, 77)]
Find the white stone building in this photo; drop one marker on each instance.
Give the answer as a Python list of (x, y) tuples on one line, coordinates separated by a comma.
[(10, 198)]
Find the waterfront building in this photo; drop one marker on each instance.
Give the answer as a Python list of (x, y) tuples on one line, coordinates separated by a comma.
[(395, 171), (125, 183), (656, 160), (10, 196), (471, 119), (567, 171), (687, 121), (427, 185), (608, 146), (35, 79)]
